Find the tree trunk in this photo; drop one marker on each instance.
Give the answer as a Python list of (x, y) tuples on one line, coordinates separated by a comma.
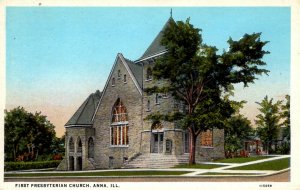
[(192, 148)]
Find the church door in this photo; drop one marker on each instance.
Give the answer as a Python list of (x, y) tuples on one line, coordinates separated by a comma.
[(186, 142), (71, 163), (158, 139), (79, 163)]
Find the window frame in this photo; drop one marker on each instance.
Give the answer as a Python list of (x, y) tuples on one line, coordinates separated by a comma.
[(211, 139), (119, 124)]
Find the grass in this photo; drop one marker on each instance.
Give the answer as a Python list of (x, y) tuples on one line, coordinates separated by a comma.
[(279, 164), (242, 160), (199, 166), (104, 173), (216, 173)]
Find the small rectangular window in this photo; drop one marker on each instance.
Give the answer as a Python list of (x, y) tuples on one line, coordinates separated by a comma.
[(125, 80)]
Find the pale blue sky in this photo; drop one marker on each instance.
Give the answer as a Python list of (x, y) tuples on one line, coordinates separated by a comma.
[(56, 57)]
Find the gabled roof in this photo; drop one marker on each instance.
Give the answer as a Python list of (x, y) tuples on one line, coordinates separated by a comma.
[(137, 71), (156, 47), (83, 116)]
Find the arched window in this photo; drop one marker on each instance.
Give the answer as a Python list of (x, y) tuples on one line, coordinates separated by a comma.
[(149, 74), (125, 80), (91, 148), (79, 145), (119, 125), (113, 82), (71, 145)]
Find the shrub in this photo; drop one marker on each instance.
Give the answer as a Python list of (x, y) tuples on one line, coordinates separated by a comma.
[(9, 166)]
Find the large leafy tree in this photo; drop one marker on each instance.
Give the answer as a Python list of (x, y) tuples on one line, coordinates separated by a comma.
[(237, 129), (268, 121), (27, 133), (197, 76)]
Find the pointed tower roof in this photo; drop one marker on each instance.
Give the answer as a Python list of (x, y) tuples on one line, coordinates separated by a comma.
[(155, 47), (83, 116)]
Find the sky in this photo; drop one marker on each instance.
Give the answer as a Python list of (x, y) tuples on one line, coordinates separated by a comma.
[(57, 56)]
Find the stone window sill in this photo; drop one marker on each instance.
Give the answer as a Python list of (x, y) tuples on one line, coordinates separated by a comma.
[(208, 147), (119, 146)]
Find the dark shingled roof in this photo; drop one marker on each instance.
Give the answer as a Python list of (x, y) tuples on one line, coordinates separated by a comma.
[(84, 114), (156, 47), (137, 71)]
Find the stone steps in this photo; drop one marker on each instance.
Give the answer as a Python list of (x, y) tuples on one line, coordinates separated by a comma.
[(157, 161)]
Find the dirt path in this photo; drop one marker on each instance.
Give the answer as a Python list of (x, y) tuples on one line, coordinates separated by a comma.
[(281, 177)]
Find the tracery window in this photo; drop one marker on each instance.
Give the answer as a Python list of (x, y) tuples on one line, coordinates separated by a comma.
[(119, 125), (206, 138)]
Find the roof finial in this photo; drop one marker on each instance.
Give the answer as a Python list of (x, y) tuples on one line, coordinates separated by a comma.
[(171, 13)]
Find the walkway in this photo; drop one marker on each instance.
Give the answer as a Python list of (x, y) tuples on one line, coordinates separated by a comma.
[(194, 172), (224, 169)]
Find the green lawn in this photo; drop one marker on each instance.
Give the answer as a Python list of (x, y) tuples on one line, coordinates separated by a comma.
[(216, 173), (104, 173), (199, 166), (279, 164), (242, 160)]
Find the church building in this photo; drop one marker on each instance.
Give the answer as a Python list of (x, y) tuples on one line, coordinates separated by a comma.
[(109, 129)]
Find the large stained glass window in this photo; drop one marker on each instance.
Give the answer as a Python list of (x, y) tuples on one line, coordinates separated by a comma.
[(206, 138), (119, 125)]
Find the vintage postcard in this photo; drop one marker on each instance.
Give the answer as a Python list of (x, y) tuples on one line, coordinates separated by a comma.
[(96, 95)]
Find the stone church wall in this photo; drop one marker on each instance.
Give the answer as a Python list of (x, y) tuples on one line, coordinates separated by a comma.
[(107, 155)]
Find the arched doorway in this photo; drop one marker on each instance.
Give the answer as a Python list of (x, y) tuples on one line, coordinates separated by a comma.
[(157, 138), (79, 163), (71, 163)]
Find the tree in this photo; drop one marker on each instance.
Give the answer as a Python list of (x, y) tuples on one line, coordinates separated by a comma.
[(268, 121), (237, 129), (197, 76), (286, 117), (27, 133), (285, 108)]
